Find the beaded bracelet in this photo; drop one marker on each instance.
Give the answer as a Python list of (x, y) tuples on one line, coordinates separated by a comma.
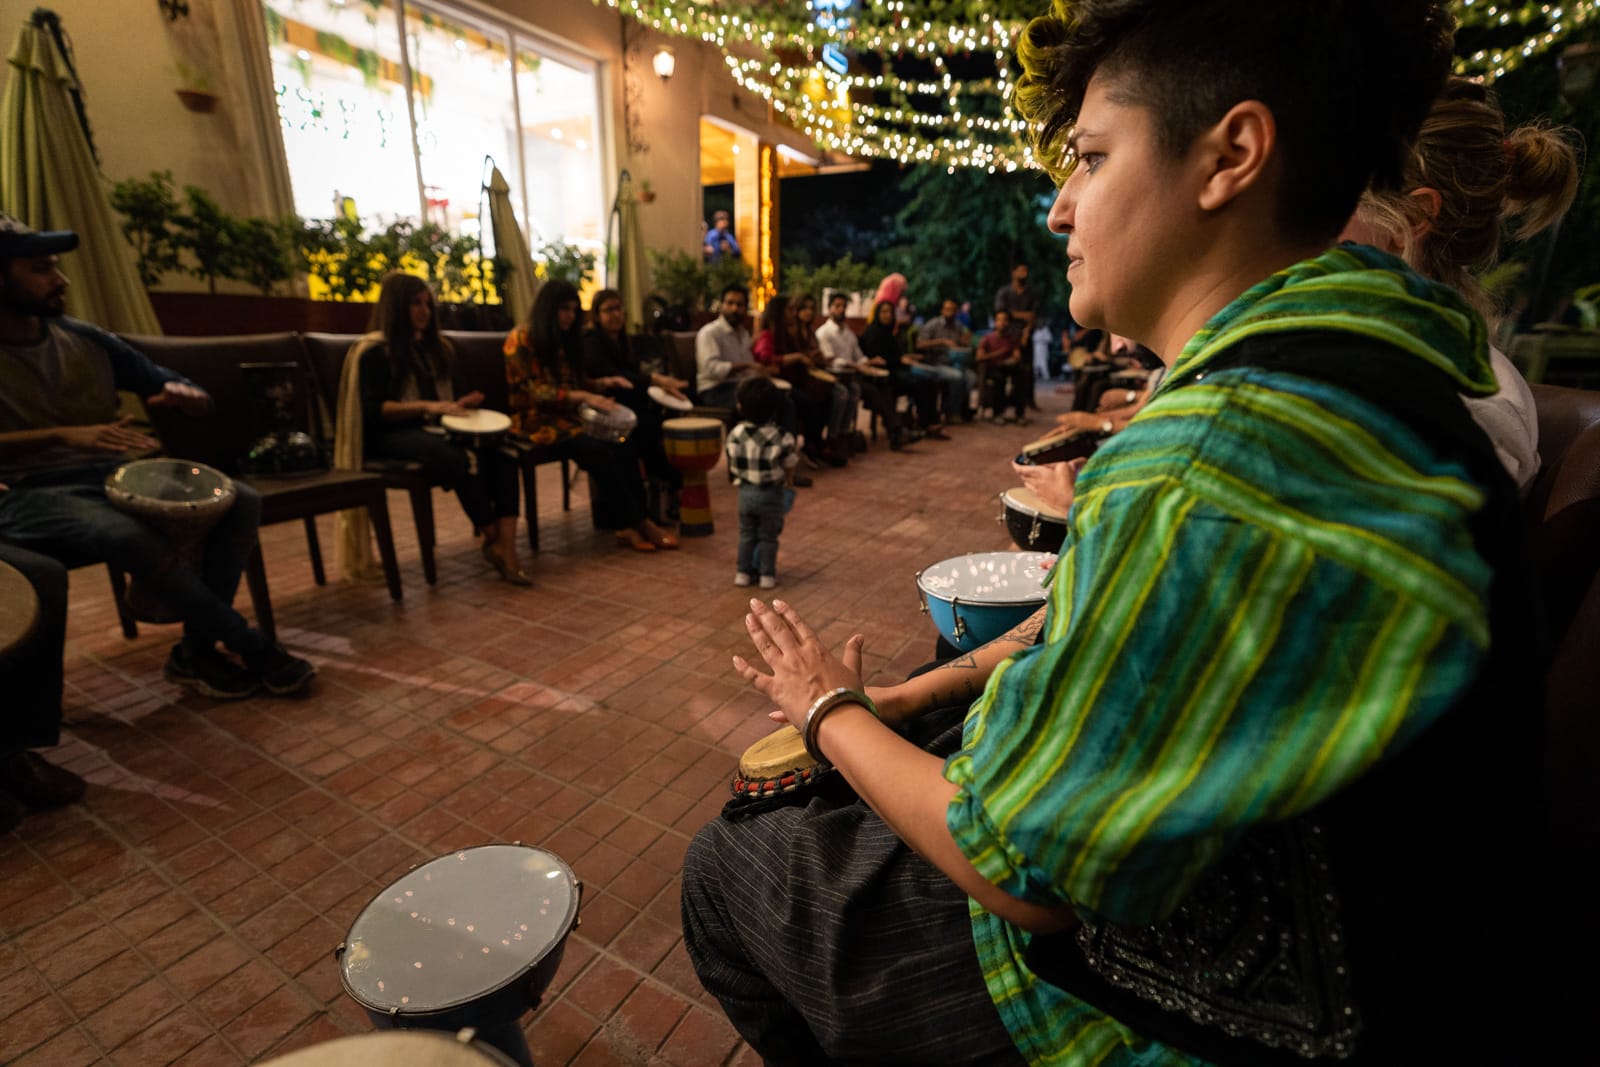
[(824, 704)]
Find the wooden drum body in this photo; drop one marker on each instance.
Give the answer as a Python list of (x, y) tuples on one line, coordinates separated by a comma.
[(180, 499), (694, 446)]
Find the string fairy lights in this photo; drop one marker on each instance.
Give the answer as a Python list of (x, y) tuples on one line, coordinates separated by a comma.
[(773, 49)]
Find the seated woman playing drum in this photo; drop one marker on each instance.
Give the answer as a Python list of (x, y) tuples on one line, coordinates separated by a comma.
[(544, 371), (609, 357), (404, 371), (884, 339), (779, 349)]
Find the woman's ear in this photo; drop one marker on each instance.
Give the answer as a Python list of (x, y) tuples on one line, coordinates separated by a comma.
[(1235, 153), (1428, 198)]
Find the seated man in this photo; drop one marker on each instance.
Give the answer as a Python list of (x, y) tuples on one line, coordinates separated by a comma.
[(842, 349), (1232, 808), (722, 353), (59, 439), (1000, 356), (30, 676), (936, 340)]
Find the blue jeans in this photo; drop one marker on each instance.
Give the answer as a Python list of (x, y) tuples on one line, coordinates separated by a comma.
[(760, 523), (65, 515), (957, 382)]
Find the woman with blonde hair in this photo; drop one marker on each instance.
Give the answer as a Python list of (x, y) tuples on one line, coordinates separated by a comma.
[(1467, 181)]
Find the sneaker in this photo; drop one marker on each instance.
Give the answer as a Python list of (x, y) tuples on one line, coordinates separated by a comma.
[(281, 673), (37, 783), (741, 579), (769, 581), (209, 673)]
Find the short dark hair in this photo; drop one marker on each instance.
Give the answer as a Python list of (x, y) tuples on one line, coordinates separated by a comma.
[(1348, 81), (1001, 311), (735, 288), (844, 297), (758, 400)]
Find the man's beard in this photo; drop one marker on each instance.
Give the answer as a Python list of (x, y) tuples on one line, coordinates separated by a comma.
[(51, 307)]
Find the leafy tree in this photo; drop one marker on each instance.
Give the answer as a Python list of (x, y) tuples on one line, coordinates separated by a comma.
[(208, 234), (262, 252), (963, 232), (567, 262), (149, 211)]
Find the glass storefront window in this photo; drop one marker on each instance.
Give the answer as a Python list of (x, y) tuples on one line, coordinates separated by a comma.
[(478, 88), (342, 106)]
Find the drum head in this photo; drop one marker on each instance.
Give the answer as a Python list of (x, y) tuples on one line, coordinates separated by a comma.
[(1027, 501), (781, 751), (480, 421), (170, 484), (781, 384), (824, 376), (458, 928), (692, 424), (874, 372), (667, 400), (395, 1048), (1010, 578)]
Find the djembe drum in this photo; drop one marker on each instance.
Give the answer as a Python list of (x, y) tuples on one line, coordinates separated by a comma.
[(693, 445), (1033, 525), (472, 939), (178, 498), (976, 598), (398, 1048)]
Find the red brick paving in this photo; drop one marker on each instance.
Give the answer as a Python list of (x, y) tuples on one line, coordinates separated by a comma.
[(187, 911)]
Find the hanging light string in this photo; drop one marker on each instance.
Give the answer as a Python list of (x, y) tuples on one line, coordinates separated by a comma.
[(950, 119)]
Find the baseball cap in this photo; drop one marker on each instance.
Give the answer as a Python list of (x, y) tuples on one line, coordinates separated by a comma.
[(19, 240)]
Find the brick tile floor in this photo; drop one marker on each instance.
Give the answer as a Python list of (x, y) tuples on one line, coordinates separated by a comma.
[(187, 911)]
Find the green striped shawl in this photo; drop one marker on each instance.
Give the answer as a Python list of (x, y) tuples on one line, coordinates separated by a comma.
[(1268, 586)]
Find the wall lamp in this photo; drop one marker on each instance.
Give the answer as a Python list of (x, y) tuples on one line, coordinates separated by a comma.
[(664, 62)]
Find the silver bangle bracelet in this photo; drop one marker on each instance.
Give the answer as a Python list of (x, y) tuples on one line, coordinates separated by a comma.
[(824, 704)]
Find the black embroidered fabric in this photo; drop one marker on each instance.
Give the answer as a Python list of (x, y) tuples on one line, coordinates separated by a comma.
[(1256, 950)]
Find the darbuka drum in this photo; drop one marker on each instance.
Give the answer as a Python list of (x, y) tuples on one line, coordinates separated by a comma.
[(776, 764), (869, 371), (693, 445), (667, 400), (614, 425), (398, 1048), (476, 427), (826, 377), (180, 499), (975, 598), (1060, 446), (1032, 524), (781, 384), (471, 939)]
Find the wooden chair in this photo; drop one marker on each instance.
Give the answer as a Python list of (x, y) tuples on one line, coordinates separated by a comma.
[(326, 353), (221, 438), (479, 366)]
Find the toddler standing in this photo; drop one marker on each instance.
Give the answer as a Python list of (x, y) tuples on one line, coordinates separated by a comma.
[(761, 459)]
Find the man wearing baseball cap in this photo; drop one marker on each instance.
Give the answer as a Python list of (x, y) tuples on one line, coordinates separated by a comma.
[(59, 437)]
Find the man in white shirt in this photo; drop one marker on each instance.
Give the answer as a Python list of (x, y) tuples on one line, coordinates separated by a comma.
[(722, 351), (842, 349)]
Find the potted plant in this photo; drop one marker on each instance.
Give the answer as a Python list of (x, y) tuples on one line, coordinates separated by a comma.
[(646, 194), (196, 91), (149, 208), (558, 259)]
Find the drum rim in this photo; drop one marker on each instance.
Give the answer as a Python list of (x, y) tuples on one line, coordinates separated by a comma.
[(1012, 504), (569, 921), (667, 400), (700, 421), (115, 490), (485, 1052), (805, 757), (1042, 595)]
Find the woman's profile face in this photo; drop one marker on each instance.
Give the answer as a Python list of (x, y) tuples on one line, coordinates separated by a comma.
[(566, 315)]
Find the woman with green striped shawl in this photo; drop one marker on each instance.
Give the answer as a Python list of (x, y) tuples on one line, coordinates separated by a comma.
[(1232, 807)]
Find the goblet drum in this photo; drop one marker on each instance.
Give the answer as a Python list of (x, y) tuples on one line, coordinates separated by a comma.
[(1032, 524), (180, 499), (975, 598), (693, 445), (471, 939)]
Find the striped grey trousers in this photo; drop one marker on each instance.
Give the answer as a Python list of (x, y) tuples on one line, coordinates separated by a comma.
[(828, 940)]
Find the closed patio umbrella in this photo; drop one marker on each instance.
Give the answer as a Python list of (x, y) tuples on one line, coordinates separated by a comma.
[(50, 180), (631, 279), (519, 290)]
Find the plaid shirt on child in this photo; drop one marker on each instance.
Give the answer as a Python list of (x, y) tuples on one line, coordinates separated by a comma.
[(760, 455)]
